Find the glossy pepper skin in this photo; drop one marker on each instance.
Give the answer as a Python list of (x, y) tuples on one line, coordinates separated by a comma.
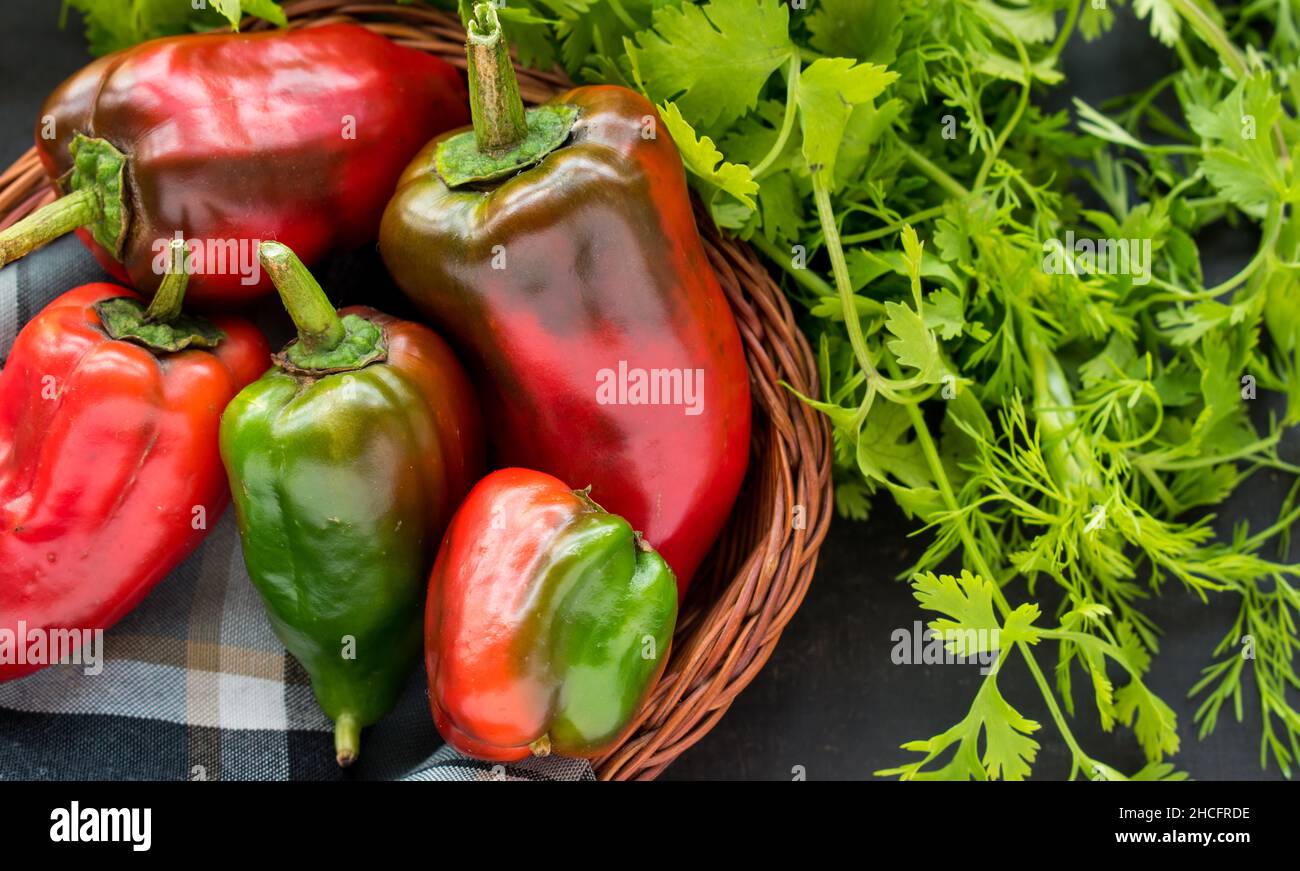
[(549, 278), (548, 621), (295, 135), (109, 470), (346, 466)]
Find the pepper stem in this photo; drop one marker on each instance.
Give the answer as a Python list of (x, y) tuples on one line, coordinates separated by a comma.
[(167, 299), (320, 329), (495, 104), (67, 213), (347, 740)]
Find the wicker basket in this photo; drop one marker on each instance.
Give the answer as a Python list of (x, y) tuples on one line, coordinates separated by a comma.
[(759, 571)]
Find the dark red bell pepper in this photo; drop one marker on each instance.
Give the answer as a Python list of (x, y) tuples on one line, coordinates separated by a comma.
[(229, 139), (109, 470), (557, 247)]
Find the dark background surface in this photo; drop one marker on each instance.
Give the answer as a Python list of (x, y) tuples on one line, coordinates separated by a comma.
[(830, 700)]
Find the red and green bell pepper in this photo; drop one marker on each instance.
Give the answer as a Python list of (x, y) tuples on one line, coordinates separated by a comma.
[(549, 620)]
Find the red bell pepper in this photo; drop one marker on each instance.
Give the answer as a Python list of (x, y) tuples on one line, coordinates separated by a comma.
[(297, 136), (109, 470)]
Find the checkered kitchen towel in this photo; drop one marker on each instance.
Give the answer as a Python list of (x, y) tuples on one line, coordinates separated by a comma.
[(194, 683)]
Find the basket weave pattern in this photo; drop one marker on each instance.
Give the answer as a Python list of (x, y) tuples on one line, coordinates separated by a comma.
[(760, 569)]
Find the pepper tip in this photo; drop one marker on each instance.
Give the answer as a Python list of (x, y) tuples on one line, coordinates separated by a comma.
[(347, 740)]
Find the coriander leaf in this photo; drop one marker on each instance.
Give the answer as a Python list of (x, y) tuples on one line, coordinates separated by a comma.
[(110, 26), (943, 313), (970, 622), (228, 9), (971, 625), (913, 344), (234, 10), (922, 502), (1241, 160), (1095, 19), (587, 27), (1177, 385), (712, 60), (867, 124), (1134, 654), (865, 29), (1008, 750), (781, 206), (1029, 24), (1186, 326), (865, 266), (853, 499), (267, 9), (729, 214), (1219, 390), (1093, 122), (1159, 771), (751, 138), (704, 160), (1002, 67), (912, 255), (1153, 721), (1115, 359), (1282, 313), (1008, 753), (1165, 25), (882, 450), (528, 33), (828, 90)]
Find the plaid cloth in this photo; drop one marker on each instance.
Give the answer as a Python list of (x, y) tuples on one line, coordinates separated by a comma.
[(195, 685)]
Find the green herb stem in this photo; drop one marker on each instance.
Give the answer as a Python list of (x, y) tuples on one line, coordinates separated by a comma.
[(930, 169), (787, 122), (1067, 28), (893, 228), (782, 259), (840, 270), (1021, 104)]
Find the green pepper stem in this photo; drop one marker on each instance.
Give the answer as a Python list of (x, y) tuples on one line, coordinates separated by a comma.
[(167, 299), (320, 329), (495, 104), (347, 739), (77, 209)]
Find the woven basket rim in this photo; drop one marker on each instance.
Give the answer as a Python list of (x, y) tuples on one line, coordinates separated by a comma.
[(760, 568)]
